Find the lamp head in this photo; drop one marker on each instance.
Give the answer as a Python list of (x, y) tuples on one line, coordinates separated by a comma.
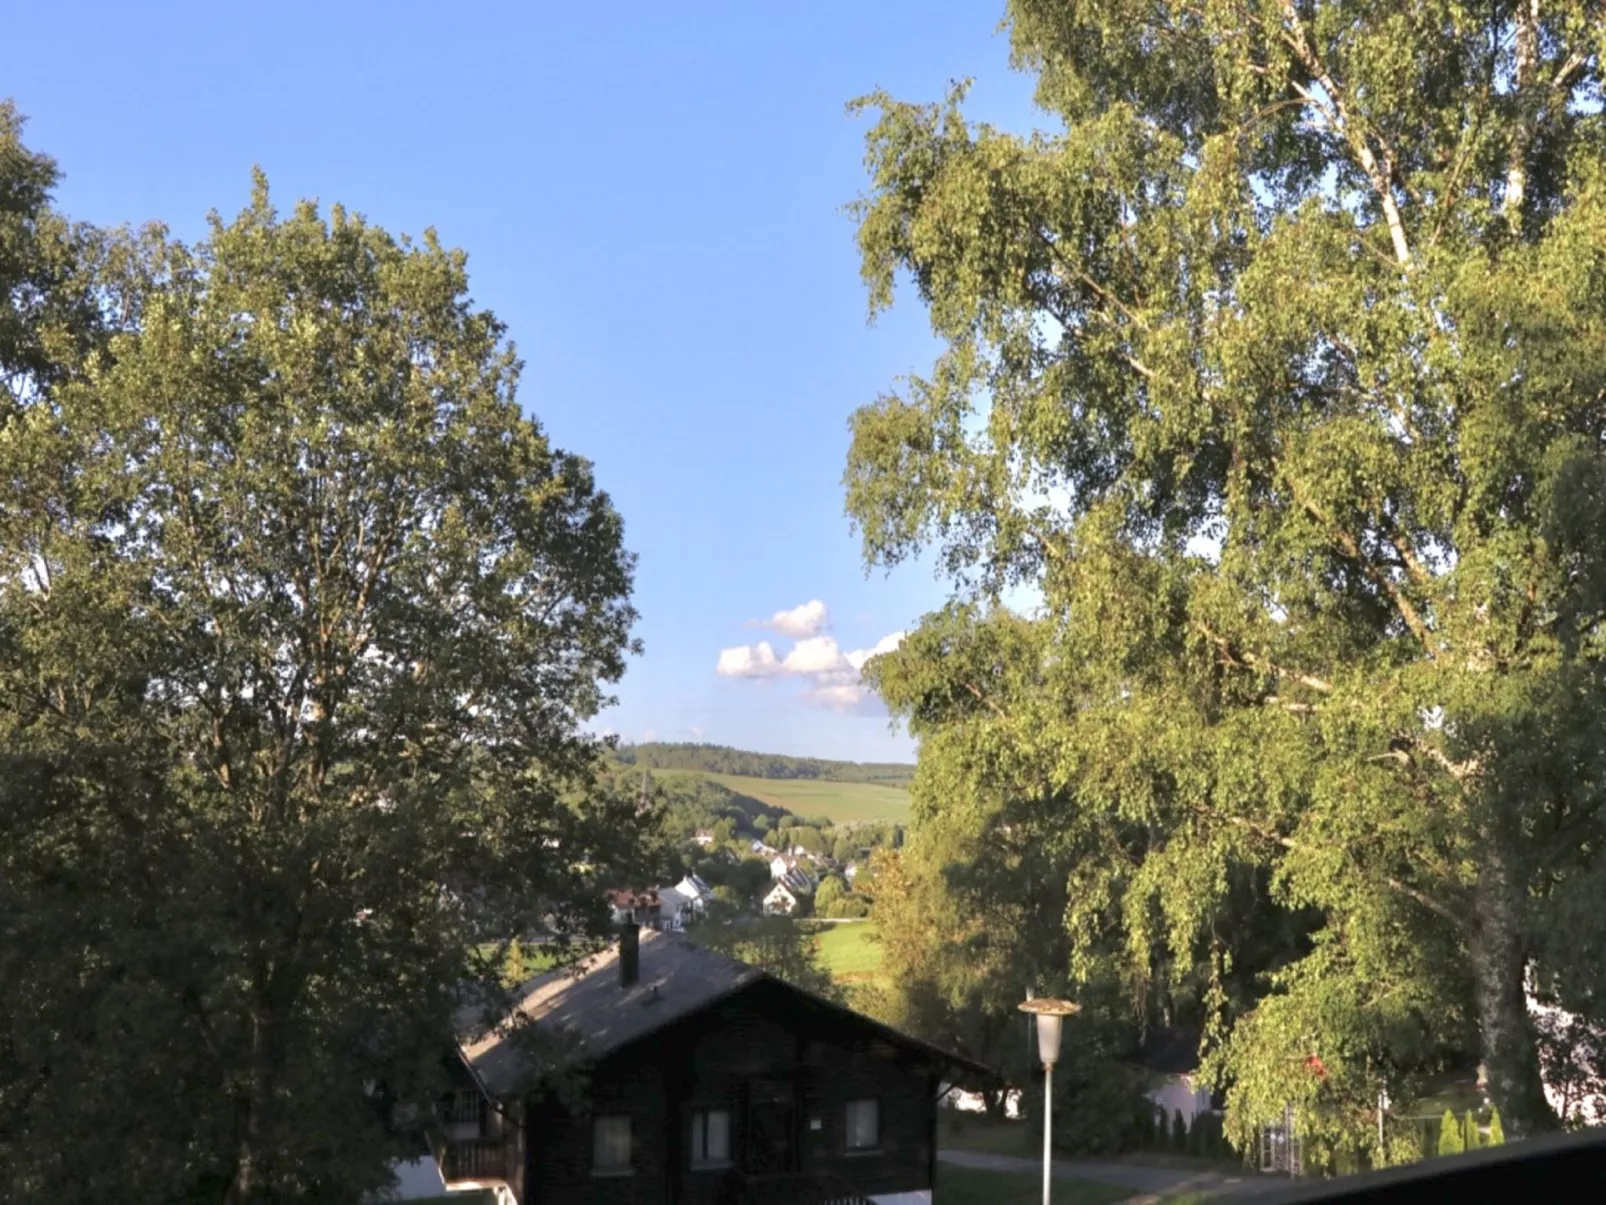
[(1050, 1014)]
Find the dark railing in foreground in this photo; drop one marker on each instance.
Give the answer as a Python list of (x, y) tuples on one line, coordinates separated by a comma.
[(1559, 1167), (805, 1188)]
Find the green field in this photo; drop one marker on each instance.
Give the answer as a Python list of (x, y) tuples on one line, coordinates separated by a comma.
[(850, 952), (811, 797)]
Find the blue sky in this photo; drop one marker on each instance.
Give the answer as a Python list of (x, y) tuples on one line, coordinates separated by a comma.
[(650, 195)]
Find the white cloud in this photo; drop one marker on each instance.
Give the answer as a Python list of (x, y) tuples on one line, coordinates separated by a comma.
[(886, 644), (806, 619), (697, 732), (648, 735), (834, 677), (816, 655), (748, 661)]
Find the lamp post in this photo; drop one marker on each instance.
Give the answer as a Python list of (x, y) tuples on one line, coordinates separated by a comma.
[(1050, 1014)]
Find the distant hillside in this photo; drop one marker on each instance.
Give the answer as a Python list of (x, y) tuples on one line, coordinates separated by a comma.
[(719, 759)]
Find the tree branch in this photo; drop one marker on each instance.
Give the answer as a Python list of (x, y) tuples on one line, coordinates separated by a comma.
[(1338, 116), (1393, 884), (1264, 664)]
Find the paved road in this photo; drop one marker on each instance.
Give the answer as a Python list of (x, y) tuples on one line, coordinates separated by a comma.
[(1146, 1182)]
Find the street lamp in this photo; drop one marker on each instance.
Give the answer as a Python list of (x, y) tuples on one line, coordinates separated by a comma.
[(1050, 1014)]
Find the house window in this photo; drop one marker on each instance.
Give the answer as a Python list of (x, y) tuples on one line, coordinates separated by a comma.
[(610, 1146), (864, 1125), (711, 1138)]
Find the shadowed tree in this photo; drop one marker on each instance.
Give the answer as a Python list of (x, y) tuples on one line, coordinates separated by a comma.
[(300, 618)]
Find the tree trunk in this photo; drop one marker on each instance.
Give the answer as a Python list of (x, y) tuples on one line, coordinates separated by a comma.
[(1499, 963), (250, 1181)]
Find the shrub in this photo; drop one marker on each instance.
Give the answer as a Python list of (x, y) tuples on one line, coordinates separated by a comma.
[(1450, 1142), (1497, 1135), (1179, 1133)]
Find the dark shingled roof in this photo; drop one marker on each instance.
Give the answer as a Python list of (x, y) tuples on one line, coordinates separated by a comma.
[(586, 1003)]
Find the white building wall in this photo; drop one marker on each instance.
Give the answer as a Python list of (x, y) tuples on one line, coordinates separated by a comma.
[(1178, 1094)]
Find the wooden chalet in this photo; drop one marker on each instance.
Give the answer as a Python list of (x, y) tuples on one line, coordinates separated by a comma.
[(705, 1080)]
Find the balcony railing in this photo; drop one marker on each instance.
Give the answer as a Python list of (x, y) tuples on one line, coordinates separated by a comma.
[(800, 1189), (477, 1159)]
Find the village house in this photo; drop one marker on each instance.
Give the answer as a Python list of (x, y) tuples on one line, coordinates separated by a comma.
[(684, 902), (785, 898), (790, 868), (704, 1080), (643, 908), (703, 836)]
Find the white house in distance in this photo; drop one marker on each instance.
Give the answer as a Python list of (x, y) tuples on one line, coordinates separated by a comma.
[(791, 864), (685, 899), (703, 836), (784, 900), (1171, 1057)]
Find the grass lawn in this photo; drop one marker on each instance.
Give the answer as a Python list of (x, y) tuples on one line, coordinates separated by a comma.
[(975, 1132), (973, 1186), (850, 952), (807, 797)]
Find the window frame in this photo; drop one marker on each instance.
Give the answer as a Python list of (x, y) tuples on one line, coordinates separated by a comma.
[(628, 1167), (698, 1158), (847, 1126)]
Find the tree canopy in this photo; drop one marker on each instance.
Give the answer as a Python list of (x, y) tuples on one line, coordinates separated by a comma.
[(1271, 373), (300, 618)]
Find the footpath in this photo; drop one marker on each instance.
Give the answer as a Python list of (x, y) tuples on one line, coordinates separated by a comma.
[(1148, 1183)]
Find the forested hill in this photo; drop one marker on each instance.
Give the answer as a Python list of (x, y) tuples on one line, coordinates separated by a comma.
[(719, 759)]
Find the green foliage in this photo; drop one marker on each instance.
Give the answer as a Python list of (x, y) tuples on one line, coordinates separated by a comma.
[(849, 907), (1451, 1140), (300, 618), (1099, 1107), (1473, 1132), (1497, 1132), (1273, 370), (718, 759), (49, 270), (844, 849), (832, 889), (778, 945)]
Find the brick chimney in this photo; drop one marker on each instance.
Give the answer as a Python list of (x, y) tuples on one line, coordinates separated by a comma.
[(629, 953)]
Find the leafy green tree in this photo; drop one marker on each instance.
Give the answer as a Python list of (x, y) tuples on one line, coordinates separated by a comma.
[(724, 831), (844, 849), (1450, 1140), (1497, 1132), (832, 890), (808, 837), (778, 945), (1273, 370), (953, 965), (849, 907), (300, 618), (49, 316), (1470, 1127)]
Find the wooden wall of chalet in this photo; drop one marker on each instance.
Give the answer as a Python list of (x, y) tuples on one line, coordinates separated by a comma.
[(760, 1042)]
